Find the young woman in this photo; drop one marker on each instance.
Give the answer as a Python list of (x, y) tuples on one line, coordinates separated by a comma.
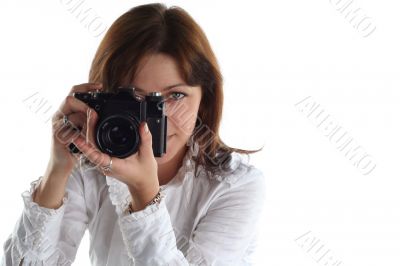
[(196, 205)]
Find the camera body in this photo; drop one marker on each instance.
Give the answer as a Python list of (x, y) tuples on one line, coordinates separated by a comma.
[(120, 114)]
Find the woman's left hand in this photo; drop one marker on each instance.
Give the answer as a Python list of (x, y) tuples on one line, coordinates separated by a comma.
[(138, 171)]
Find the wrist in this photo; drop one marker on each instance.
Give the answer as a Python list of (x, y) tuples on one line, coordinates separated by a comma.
[(56, 171), (141, 199)]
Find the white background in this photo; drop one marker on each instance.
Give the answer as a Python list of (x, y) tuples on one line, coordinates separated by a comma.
[(273, 54)]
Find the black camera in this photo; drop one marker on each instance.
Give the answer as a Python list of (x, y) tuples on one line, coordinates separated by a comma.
[(120, 113)]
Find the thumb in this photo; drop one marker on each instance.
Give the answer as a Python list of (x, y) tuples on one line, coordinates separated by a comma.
[(146, 141)]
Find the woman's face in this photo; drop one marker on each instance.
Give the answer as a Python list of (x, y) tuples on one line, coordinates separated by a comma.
[(159, 72)]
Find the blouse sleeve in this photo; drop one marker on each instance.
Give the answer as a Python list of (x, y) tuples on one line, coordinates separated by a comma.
[(45, 236), (221, 237)]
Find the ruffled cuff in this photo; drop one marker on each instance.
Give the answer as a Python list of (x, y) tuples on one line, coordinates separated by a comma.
[(148, 234), (119, 194), (150, 210), (39, 228)]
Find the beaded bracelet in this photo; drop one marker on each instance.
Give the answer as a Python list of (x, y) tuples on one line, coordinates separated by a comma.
[(156, 199)]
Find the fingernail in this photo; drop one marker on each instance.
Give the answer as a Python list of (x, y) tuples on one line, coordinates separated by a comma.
[(146, 128)]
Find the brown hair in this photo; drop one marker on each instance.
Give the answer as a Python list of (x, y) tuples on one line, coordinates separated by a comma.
[(154, 28)]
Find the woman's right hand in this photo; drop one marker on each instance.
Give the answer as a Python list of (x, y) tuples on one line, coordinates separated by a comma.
[(61, 158), (51, 189)]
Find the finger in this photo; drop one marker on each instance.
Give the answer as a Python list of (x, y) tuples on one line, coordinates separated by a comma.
[(76, 125), (71, 105), (64, 133), (91, 152), (145, 148), (86, 87), (77, 120)]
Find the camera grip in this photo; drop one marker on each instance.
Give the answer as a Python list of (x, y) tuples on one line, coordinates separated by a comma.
[(158, 129)]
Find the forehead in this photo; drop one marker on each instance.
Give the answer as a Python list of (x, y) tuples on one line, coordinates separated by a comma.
[(156, 72)]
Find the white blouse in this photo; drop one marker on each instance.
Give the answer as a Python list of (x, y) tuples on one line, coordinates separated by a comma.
[(199, 221)]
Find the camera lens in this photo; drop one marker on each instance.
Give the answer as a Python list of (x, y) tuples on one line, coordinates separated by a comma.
[(118, 135)]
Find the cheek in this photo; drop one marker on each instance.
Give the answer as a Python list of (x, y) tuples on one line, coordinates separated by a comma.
[(182, 115)]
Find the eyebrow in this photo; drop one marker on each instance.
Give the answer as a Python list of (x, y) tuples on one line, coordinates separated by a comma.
[(166, 88)]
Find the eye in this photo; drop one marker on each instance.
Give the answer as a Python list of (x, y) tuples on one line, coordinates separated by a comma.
[(177, 95)]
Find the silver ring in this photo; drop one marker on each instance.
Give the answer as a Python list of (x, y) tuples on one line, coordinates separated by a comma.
[(107, 168), (65, 120)]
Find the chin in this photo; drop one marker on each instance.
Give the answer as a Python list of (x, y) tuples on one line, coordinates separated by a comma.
[(173, 146)]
